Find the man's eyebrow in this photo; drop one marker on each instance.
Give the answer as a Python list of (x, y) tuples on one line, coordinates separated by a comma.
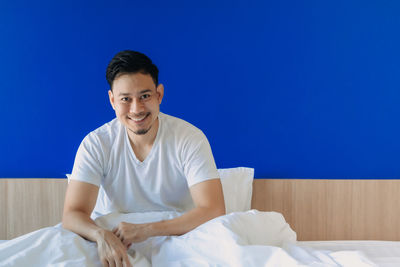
[(145, 91), (124, 94), (141, 92)]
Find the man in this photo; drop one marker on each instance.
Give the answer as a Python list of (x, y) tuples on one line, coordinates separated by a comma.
[(143, 160)]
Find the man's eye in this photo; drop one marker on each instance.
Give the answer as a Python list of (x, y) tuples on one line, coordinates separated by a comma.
[(145, 96), (125, 99)]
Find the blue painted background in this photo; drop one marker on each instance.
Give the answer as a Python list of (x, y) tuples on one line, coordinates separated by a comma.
[(306, 89)]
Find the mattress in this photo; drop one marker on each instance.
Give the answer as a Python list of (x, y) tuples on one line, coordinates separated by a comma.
[(383, 253)]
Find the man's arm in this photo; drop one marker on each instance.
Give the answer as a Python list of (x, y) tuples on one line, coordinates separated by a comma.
[(209, 203), (80, 200)]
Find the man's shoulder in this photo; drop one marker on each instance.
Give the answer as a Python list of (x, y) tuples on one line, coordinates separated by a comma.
[(179, 126), (108, 128), (105, 133)]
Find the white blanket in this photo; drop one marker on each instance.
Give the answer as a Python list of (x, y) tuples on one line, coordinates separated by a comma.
[(250, 238)]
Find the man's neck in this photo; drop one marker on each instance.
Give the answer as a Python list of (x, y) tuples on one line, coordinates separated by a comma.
[(145, 140)]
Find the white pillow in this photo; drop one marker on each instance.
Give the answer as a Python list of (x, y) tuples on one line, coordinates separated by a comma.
[(237, 185)]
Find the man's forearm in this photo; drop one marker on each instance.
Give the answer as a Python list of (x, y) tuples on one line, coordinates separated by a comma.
[(185, 223), (80, 223)]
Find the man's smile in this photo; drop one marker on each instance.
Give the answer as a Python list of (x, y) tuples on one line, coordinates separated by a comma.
[(139, 119)]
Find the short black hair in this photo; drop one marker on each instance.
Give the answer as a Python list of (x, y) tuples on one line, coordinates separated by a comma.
[(129, 61)]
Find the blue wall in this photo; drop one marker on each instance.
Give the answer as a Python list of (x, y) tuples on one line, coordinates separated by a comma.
[(306, 89)]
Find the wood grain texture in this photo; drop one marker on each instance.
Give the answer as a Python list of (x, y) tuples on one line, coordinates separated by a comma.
[(333, 209), (30, 204), (3, 209), (315, 209)]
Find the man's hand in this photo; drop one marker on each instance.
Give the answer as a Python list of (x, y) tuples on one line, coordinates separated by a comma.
[(130, 233), (111, 250)]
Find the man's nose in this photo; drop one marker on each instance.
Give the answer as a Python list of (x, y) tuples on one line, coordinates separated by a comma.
[(136, 106)]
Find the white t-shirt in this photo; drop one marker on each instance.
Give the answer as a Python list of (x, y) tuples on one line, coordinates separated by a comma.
[(180, 157)]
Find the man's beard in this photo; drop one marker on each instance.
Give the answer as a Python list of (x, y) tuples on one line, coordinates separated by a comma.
[(142, 131)]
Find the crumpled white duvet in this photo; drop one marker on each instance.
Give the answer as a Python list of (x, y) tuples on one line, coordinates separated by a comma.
[(251, 238)]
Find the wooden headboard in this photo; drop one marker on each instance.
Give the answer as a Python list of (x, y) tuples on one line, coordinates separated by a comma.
[(30, 204), (315, 209), (333, 209)]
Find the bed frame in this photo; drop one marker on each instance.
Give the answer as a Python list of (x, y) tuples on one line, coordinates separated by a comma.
[(315, 209)]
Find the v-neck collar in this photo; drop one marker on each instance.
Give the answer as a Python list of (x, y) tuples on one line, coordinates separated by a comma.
[(154, 146)]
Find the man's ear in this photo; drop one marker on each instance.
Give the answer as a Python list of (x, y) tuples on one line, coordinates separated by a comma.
[(111, 96), (160, 92)]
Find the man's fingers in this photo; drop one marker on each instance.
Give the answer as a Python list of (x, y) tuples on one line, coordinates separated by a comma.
[(127, 263), (112, 251), (111, 263), (104, 262), (126, 243), (117, 232), (118, 262)]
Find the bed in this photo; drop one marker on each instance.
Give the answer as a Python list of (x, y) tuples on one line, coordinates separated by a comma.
[(333, 215), (341, 214)]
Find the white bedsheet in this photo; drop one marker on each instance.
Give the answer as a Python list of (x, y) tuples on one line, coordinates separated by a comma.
[(53, 246), (383, 253), (249, 238)]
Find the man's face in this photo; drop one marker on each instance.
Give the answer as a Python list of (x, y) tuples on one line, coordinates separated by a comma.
[(136, 101)]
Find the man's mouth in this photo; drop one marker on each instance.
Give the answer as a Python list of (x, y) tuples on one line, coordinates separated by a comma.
[(139, 119)]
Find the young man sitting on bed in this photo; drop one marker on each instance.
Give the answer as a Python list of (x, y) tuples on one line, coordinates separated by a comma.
[(143, 160)]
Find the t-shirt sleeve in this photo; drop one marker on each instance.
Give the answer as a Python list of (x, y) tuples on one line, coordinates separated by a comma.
[(198, 160), (88, 161)]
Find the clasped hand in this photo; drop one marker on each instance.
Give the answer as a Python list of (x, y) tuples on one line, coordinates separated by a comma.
[(112, 246), (130, 233)]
